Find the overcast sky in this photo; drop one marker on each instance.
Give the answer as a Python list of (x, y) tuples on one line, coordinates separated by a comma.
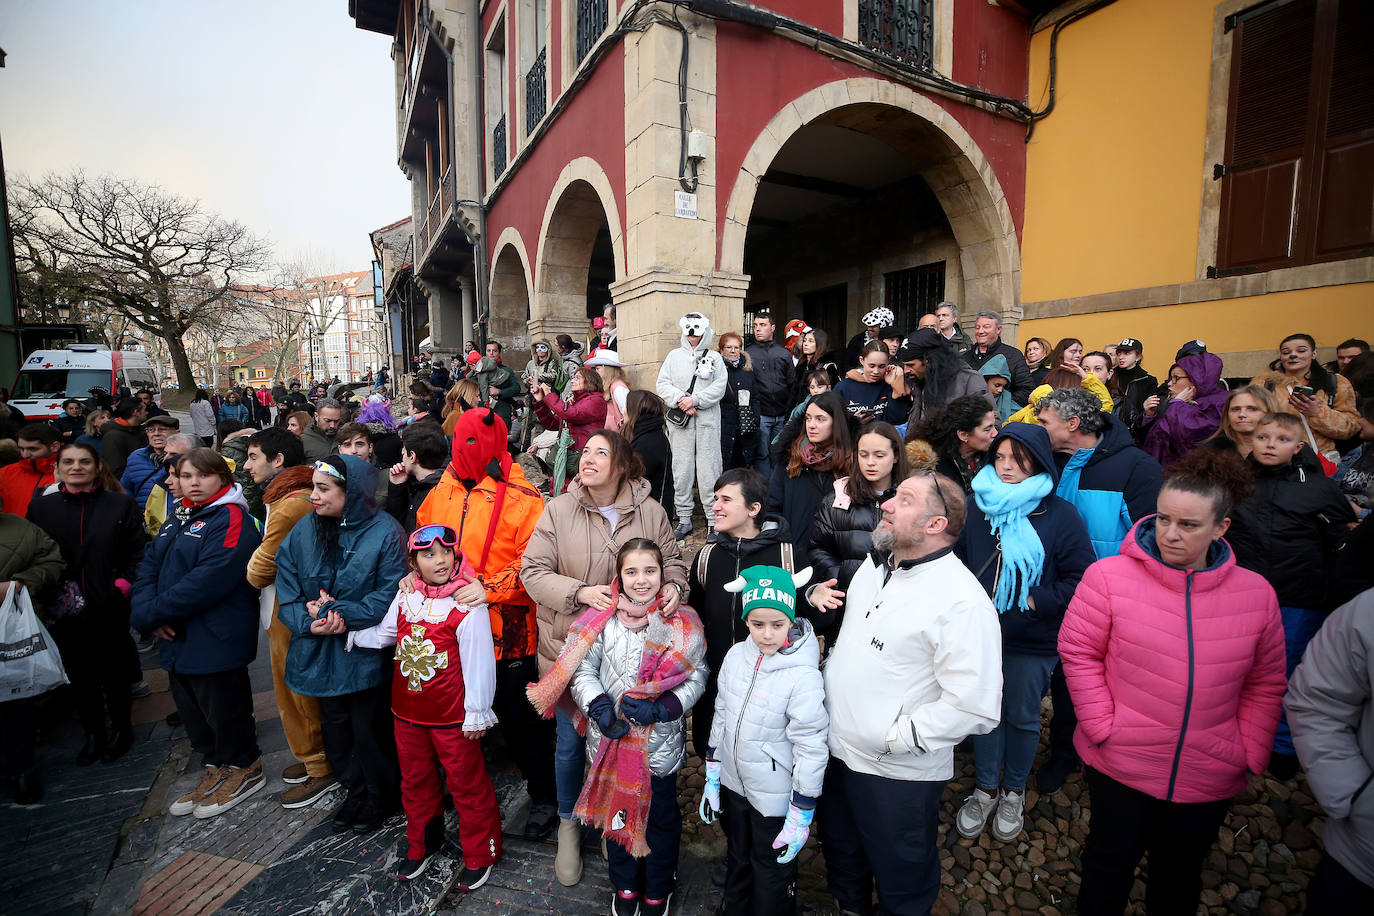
[(276, 113)]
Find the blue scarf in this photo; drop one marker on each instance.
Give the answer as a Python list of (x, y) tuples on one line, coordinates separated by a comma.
[(1068, 477), (1007, 507)]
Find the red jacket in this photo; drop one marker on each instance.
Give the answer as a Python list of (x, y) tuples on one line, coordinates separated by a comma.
[(22, 481), (1176, 675), (584, 416)]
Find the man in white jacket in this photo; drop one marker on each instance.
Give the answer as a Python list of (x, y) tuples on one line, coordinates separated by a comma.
[(692, 380), (916, 668)]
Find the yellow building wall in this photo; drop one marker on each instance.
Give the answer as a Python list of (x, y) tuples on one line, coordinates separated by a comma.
[(1254, 323), (1114, 173), (1114, 179)]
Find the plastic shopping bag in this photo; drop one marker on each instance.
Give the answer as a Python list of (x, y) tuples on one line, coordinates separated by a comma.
[(29, 661)]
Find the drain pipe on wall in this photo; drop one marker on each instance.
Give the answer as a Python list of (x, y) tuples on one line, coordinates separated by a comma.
[(481, 270), (481, 304), (1054, 59)]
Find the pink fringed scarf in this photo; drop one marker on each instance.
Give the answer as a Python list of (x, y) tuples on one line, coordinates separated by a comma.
[(616, 794)]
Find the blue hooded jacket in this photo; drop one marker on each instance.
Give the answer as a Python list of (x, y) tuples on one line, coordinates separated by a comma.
[(141, 474), (1068, 552), (362, 579), (1116, 488), (194, 579)]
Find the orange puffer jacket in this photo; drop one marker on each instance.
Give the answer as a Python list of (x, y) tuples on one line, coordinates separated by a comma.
[(470, 513), (22, 481)]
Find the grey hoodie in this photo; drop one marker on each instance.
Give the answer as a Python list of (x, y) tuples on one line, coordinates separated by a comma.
[(1330, 705)]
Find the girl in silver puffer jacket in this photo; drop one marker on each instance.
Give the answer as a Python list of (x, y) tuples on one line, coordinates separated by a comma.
[(639, 676)]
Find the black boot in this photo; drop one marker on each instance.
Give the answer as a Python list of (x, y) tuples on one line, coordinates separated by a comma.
[(369, 819), (347, 813), (120, 742), (27, 789), (90, 751), (543, 818)]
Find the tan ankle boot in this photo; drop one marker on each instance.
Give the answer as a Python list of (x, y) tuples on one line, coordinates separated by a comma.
[(567, 864)]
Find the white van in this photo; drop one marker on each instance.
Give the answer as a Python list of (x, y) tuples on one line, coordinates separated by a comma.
[(49, 377)]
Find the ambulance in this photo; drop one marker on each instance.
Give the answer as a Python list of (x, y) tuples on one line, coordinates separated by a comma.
[(49, 377)]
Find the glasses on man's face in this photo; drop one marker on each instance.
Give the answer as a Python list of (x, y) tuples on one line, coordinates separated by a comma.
[(1178, 378), (934, 482)]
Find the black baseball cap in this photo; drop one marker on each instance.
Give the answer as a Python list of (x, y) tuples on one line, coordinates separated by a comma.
[(1130, 343), (918, 343)]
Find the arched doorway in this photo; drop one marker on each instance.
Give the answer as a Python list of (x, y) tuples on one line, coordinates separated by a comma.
[(510, 300), (580, 253), (881, 199)]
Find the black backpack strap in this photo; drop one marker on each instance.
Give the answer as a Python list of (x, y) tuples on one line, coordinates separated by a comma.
[(703, 559)]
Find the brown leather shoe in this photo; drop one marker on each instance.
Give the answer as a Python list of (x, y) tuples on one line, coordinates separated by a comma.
[(308, 792)]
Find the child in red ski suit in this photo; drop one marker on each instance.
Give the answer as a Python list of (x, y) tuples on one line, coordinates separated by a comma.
[(441, 696)]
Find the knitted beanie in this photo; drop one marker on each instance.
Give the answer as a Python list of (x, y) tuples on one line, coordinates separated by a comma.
[(769, 587)]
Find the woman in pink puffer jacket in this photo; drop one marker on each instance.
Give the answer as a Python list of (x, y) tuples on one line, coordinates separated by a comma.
[(1174, 656)]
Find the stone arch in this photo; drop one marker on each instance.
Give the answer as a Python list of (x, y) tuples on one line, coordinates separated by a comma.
[(509, 296), (580, 203), (948, 159)]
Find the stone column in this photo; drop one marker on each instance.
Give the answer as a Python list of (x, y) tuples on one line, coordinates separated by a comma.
[(465, 290), (445, 317), (670, 260)]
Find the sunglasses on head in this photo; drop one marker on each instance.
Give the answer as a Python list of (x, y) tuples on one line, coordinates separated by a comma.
[(423, 537), (329, 470)]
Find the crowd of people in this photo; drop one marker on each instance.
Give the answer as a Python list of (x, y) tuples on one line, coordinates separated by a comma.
[(909, 542)]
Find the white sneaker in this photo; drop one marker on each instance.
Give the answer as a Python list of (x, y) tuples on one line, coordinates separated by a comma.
[(973, 816), (1011, 816)]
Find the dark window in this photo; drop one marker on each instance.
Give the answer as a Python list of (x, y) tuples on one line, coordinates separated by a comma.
[(914, 292), (901, 29), (591, 22), (498, 148), (825, 309), (536, 92), (1298, 176), (59, 383)]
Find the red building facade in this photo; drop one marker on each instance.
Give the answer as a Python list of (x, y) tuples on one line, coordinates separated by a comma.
[(835, 156)]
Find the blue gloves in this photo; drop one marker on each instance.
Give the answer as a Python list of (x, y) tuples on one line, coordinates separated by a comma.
[(795, 829), (602, 712), (709, 808), (640, 711)]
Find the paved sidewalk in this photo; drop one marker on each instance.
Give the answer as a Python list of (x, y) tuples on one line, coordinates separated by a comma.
[(101, 841)]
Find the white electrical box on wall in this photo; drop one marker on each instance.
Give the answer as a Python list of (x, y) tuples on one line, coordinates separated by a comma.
[(696, 144)]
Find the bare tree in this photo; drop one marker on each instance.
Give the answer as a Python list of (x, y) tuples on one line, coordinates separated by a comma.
[(277, 316), (323, 293), (156, 258)]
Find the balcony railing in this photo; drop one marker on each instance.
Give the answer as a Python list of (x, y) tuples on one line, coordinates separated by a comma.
[(536, 92), (498, 148), (591, 23), (900, 29), (436, 213)]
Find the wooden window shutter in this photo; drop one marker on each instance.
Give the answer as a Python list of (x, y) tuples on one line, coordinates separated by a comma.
[(1345, 181), (1271, 76)]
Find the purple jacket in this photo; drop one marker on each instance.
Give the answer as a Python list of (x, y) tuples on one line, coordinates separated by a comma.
[(1179, 426)]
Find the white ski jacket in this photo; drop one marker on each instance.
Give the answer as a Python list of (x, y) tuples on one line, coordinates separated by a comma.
[(916, 668)]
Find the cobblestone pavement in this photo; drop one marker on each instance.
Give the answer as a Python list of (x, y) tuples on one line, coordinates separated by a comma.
[(102, 843)]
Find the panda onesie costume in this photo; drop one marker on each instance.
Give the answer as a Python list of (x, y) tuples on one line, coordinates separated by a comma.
[(696, 448)]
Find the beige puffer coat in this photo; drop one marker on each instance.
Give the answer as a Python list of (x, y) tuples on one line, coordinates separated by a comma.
[(573, 546)]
